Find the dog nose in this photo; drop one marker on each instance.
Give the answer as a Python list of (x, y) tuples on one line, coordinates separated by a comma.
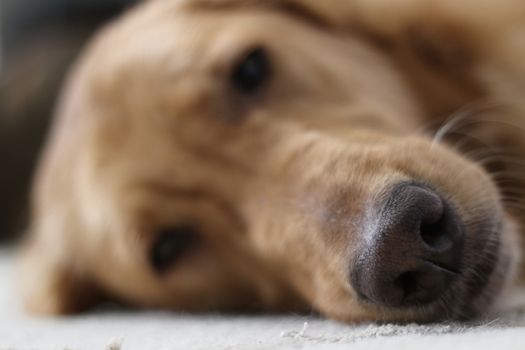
[(412, 252)]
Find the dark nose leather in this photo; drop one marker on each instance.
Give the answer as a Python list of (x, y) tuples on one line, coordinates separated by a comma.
[(411, 252)]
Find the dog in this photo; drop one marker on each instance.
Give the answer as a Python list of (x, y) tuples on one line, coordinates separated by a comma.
[(359, 158)]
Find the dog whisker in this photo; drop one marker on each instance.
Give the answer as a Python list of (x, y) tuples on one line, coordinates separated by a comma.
[(462, 116)]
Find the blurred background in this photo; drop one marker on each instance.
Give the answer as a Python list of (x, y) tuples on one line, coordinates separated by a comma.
[(39, 40)]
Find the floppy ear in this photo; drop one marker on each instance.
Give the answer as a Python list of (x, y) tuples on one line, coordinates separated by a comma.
[(49, 281)]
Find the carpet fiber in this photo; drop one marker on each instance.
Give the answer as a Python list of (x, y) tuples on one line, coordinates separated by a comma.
[(120, 330)]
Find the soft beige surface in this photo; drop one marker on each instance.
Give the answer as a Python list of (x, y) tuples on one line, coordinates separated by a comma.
[(167, 331)]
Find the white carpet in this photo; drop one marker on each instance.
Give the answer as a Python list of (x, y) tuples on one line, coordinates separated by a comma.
[(120, 330)]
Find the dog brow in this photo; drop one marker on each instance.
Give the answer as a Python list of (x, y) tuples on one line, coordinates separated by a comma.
[(290, 8)]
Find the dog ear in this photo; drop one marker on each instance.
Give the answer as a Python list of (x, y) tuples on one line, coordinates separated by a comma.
[(50, 282)]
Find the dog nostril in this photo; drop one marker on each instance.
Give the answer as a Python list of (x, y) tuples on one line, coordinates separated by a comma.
[(434, 234), (439, 233), (415, 250), (408, 283), (422, 286)]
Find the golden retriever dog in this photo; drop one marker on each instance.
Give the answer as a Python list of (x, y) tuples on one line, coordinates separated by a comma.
[(359, 158)]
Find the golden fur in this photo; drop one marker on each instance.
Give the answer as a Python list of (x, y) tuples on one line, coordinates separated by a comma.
[(150, 135)]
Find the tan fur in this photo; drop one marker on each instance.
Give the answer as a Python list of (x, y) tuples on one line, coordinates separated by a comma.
[(149, 135)]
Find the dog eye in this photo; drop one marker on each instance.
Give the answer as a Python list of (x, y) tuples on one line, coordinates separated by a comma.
[(252, 71), (171, 245)]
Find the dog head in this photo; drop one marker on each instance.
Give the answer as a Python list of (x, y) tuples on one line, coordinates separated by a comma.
[(223, 156)]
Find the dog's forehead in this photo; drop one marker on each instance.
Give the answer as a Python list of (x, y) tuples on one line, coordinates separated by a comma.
[(304, 9), (328, 13), (181, 35)]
